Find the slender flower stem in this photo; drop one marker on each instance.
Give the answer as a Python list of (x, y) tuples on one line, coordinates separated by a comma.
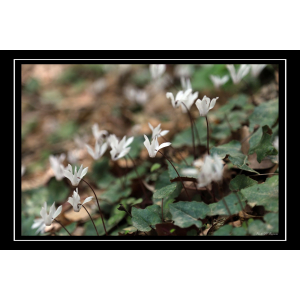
[(91, 219), (177, 174), (98, 204), (63, 227), (162, 209), (137, 174), (207, 135), (176, 151), (192, 128), (236, 193), (197, 133)]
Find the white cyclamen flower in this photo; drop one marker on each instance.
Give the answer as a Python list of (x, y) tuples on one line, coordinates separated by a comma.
[(154, 146), (218, 81), (238, 76), (99, 134), (212, 170), (52, 213), (256, 69), (119, 149), (57, 166), (100, 148), (75, 201), (77, 176), (156, 132), (157, 70), (39, 224), (205, 105), (181, 96), (189, 101)]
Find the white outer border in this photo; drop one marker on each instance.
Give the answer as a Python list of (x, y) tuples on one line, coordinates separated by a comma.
[(150, 240)]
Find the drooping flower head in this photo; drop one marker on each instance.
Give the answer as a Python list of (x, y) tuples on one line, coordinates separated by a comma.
[(157, 70), (212, 170), (181, 96), (157, 132), (57, 166), (52, 213), (218, 81), (119, 149), (75, 201), (256, 69), (238, 76), (154, 146), (99, 134), (77, 176), (100, 149), (205, 105)]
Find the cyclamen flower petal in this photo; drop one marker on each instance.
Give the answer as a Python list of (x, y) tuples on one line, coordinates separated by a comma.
[(39, 224), (75, 201), (218, 81), (100, 149), (205, 105), (238, 76), (154, 146), (99, 134), (256, 69), (74, 177), (156, 132), (119, 149), (57, 166), (52, 213), (181, 96), (157, 70)]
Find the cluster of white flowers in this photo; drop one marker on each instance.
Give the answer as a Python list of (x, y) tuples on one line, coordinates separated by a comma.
[(47, 219), (210, 171)]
